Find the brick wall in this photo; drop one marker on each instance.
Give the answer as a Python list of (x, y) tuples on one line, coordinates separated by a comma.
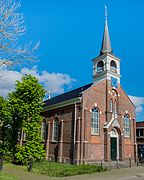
[(88, 147), (98, 146)]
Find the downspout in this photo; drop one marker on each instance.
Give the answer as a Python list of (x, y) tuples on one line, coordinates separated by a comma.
[(84, 135), (74, 136), (106, 100), (135, 144), (106, 130)]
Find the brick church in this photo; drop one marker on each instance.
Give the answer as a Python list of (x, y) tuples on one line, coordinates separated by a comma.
[(95, 122)]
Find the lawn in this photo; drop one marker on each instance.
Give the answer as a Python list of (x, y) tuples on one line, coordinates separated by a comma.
[(46, 168), (5, 176), (60, 170)]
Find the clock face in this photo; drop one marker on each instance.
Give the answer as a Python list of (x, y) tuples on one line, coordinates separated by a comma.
[(114, 82)]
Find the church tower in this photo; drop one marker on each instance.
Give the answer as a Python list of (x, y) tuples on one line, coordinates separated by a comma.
[(106, 65)]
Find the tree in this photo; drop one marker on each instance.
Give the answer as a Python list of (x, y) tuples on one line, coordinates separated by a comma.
[(26, 105), (5, 117), (12, 27)]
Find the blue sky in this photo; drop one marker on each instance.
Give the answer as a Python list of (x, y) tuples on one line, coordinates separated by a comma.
[(70, 32)]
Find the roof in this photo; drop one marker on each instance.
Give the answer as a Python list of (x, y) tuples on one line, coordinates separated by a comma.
[(66, 96)]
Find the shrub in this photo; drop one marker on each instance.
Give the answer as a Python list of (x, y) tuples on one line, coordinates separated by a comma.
[(61, 170)]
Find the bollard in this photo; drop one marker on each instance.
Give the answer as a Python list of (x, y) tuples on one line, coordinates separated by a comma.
[(101, 164), (30, 164), (117, 163), (137, 162), (130, 162), (1, 161)]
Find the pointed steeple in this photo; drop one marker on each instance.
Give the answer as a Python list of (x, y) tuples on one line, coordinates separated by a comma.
[(106, 45)]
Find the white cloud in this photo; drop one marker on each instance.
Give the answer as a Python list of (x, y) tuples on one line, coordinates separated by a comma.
[(53, 82), (7, 81), (138, 102), (139, 109)]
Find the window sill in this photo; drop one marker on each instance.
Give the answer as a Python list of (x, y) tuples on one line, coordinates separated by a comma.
[(127, 137), (54, 141), (140, 137), (95, 134)]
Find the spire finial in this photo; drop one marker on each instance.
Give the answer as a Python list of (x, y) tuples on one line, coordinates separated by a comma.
[(106, 14), (106, 45)]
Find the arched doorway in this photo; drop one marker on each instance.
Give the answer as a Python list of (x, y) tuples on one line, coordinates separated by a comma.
[(114, 144)]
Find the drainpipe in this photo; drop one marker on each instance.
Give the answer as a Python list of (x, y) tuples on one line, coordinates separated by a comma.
[(74, 136), (135, 144), (75, 127), (106, 139)]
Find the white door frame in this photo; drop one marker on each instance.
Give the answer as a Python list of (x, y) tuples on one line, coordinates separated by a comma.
[(115, 134)]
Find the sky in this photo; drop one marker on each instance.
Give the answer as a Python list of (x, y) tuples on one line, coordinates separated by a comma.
[(70, 34)]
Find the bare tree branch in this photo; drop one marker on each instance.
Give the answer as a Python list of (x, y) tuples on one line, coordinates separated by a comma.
[(12, 27)]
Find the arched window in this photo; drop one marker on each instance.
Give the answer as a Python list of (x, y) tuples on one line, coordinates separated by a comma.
[(43, 130), (100, 66), (113, 66), (126, 126), (95, 121), (55, 136), (111, 105)]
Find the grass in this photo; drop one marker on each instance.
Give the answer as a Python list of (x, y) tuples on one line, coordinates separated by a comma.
[(9, 165), (61, 170), (5, 176)]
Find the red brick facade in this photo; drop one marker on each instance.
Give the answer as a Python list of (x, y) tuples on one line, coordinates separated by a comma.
[(82, 146), (140, 140)]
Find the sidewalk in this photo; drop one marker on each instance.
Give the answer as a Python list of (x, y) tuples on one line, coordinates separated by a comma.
[(115, 174)]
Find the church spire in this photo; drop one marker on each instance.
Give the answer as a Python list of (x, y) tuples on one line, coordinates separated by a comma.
[(106, 45)]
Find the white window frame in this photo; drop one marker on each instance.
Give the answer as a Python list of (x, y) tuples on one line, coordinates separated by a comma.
[(43, 130), (126, 126), (111, 105), (95, 116), (139, 132), (115, 107), (55, 134)]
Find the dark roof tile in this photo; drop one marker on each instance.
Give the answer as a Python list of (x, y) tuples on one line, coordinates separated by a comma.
[(66, 96)]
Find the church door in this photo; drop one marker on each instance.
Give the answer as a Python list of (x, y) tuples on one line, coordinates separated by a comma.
[(114, 145), (113, 148)]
